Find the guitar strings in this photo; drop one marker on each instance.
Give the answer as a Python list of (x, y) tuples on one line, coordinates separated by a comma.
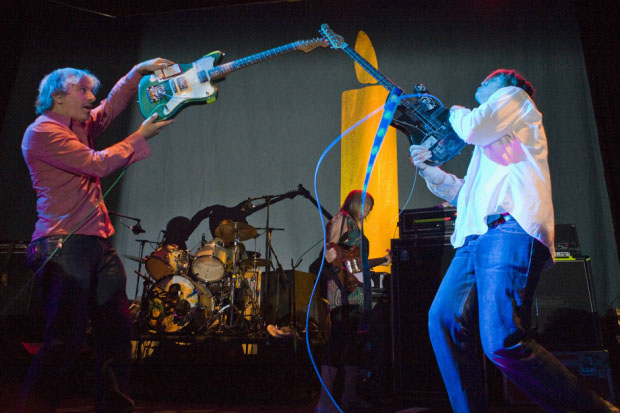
[(389, 84), (242, 63)]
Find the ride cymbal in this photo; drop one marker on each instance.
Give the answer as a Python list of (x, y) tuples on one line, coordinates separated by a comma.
[(229, 231)]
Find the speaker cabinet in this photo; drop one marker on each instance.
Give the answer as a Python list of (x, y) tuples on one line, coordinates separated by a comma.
[(417, 270), (276, 297), (19, 293), (564, 312)]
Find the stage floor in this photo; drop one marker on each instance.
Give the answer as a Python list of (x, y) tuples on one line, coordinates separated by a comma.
[(195, 374)]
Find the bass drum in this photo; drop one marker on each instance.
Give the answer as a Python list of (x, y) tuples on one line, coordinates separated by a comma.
[(167, 260), (177, 303)]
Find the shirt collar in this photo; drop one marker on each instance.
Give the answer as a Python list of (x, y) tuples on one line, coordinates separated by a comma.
[(57, 117)]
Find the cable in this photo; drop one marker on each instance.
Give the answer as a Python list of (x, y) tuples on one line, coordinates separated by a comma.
[(59, 246), (415, 178), (318, 201), (394, 99)]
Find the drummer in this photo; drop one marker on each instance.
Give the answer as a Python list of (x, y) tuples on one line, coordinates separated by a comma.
[(177, 232)]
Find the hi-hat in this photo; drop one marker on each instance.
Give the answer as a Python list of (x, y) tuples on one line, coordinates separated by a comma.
[(134, 258), (230, 230), (253, 263)]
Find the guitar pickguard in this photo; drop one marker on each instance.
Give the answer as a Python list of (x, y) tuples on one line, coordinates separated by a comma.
[(186, 84), (167, 96)]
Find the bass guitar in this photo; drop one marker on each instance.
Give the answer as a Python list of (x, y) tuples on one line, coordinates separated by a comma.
[(350, 259), (423, 119), (169, 90), (350, 262)]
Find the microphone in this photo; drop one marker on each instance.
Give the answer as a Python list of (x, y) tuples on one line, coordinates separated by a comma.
[(137, 229)]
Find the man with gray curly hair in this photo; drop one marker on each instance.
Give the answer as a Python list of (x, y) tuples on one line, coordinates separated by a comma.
[(80, 273)]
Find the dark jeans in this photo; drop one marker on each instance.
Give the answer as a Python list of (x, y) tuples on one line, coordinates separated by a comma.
[(490, 283), (85, 279), (343, 344)]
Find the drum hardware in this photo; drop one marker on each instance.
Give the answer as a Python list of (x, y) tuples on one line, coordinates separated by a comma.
[(146, 279), (254, 263), (252, 254), (237, 239), (135, 259)]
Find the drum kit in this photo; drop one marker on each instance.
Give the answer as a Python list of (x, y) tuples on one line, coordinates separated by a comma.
[(215, 290)]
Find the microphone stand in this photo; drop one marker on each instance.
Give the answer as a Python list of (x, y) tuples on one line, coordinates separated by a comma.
[(142, 242), (136, 229), (292, 302)]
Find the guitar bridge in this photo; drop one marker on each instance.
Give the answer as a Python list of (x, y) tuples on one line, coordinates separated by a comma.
[(155, 93)]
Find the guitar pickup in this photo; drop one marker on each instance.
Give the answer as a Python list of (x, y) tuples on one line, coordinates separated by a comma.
[(202, 76), (182, 83)]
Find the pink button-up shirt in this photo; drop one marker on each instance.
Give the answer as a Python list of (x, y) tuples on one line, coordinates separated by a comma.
[(65, 169)]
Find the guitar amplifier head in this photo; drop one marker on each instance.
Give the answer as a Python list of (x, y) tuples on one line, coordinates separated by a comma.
[(566, 239), (424, 223)]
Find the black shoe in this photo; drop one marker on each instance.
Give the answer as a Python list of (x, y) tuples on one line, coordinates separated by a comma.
[(117, 402)]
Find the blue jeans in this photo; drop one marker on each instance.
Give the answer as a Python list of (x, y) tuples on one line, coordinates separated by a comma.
[(490, 286), (85, 279)]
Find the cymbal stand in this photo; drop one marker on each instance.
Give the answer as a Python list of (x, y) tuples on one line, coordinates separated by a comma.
[(278, 268), (291, 287), (235, 278), (142, 308), (142, 242)]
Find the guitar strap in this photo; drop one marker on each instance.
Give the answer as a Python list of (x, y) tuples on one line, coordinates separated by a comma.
[(392, 102)]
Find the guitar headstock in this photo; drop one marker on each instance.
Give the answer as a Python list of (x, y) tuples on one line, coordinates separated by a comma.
[(309, 45), (335, 40)]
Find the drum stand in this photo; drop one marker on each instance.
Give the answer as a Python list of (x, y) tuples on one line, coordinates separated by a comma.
[(237, 282), (141, 256), (236, 277), (269, 251)]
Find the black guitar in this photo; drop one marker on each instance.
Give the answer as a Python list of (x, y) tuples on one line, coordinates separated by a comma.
[(423, 119)]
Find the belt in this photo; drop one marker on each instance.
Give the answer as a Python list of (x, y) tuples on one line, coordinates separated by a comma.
[(498, 219)]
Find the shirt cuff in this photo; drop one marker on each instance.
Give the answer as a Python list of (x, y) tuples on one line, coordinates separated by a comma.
[(140, 147), (133, 78)]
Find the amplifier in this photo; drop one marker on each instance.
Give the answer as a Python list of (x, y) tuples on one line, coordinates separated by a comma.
[(425, 223), (19, 293), (564, 314), (592, 369), (566, 241)]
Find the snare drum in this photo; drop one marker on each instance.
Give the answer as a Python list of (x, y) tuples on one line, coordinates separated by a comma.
[(176, 302), (210, 262), (167, 260)]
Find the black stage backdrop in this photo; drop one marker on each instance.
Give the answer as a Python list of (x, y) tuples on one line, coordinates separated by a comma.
[(271, 122)]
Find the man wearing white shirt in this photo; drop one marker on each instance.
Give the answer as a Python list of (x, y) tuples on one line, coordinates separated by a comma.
[(503, 236)]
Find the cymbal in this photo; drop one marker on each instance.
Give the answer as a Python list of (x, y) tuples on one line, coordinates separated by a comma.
[(227, 231), (134, 258), (256, 262)]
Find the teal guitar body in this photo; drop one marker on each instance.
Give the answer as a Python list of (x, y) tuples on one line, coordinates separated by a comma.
[(167, 96), (166, 92)]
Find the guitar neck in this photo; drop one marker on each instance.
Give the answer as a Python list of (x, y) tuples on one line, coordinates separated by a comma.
[(223, 70), (383, 81), (373, 262)]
